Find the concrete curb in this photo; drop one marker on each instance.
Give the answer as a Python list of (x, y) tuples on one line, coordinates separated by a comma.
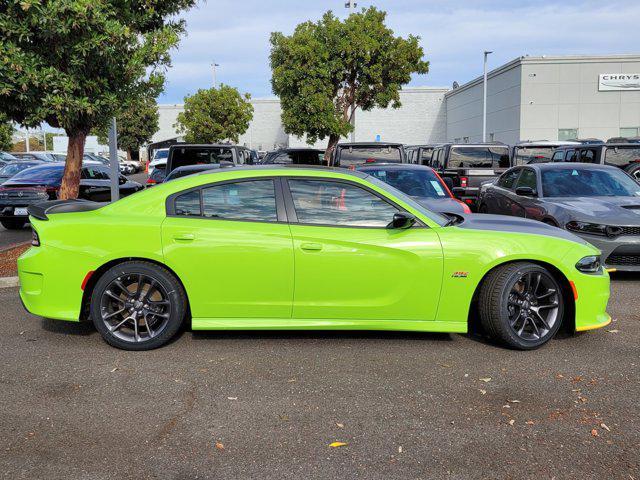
[(8, 282)]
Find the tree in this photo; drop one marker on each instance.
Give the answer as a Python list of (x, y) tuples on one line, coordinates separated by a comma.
[(71, 63), (215, 115), (6, 133), (325, 70), (136, 122)]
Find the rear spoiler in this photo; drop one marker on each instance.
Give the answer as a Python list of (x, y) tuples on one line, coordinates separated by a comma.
[(40, 210)]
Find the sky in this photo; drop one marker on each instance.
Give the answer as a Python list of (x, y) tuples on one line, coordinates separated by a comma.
[(235, 34)]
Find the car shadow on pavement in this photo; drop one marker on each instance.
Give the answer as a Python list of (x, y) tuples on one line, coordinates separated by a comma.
[(625, 276), (318, 334), (67, 328)]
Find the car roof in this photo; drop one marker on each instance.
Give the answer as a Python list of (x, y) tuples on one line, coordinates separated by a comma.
[(479, 144), (568, 166), (200, 166), (283, 168), (545, 143), (370, 144), (392, 166)]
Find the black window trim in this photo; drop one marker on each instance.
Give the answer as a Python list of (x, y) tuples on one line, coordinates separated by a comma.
[(293, 217), (277, 184), (519, 169)]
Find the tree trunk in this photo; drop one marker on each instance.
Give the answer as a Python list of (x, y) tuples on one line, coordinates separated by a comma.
[(129, 156), (331, 146), (71, 178)]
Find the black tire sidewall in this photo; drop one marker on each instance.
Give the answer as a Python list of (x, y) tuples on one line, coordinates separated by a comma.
[(513, 339), (175, 295)]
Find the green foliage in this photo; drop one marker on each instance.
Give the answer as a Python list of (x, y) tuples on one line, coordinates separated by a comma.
[(325, 70), (215, 115), (6, 132), (136, 123)]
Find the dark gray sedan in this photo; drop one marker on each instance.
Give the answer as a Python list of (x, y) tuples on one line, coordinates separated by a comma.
[(420, 182), (599, 203)]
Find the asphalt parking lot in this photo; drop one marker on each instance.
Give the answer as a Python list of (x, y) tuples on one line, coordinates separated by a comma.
[(268, 405)]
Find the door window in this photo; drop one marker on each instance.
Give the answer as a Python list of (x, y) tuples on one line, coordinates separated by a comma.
[(571, 156), (587, 156), (188, 204), (558, 156), (527, 179), (321, 202), (508, 178)]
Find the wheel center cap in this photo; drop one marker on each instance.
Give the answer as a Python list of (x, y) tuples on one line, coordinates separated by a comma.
[(137, 304)]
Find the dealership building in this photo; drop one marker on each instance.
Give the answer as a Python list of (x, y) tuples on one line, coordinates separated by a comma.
[(529, 98)]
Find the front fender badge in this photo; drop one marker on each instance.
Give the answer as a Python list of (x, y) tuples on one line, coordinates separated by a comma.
[(460, 274)]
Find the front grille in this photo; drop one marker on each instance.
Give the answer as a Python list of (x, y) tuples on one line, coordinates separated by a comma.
[(630, 231), (623, 260)]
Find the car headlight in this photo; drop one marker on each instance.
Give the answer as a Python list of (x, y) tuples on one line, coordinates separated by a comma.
[(590, 264), (584, 227)]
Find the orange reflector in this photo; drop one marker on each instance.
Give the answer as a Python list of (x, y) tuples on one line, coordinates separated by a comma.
[(575, 290), (86, 280)]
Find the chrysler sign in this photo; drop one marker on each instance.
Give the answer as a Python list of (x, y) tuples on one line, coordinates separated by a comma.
[(618, 81)]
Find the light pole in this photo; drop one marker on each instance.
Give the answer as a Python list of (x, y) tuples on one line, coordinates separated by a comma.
[(484, 98), (213, 68)]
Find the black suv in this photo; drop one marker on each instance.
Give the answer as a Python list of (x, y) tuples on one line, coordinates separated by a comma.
[(294, 156), (183, 154), (348, 155), (465, 166), (620, 152), (419, 154)]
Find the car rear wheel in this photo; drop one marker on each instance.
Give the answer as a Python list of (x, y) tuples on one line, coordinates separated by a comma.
[(13, 223), (138, 305), (521, 305)]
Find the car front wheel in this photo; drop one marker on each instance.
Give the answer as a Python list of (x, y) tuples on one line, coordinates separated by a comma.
[(521, 305), (137, 305)]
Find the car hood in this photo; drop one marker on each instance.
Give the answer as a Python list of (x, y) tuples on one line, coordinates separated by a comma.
[(611, 210), (503, 223), (440, 205)]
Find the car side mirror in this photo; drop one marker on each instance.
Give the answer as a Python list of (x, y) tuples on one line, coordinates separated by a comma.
[(402, 220), (457, 191), (526, 192)]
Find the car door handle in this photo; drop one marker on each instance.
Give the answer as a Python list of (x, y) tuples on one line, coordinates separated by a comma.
[(311, 247), (184, 237)]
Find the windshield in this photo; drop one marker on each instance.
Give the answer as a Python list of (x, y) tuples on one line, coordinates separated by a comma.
[(479, 157), (416, 183), (436, 217), (45, 174), (368, 154), (181, 157), (526, 155), (588, 183), (622, 156), (11, 169), (163, 153)]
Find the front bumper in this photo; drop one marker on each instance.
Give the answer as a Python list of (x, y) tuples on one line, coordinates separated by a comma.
[(591, 297), (619, 253)]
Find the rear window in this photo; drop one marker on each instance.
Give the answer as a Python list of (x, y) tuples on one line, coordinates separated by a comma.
[(181, 157), (296, 157), (622, 156), (526, 155), (45, 174), (360, 155), (478, 157)]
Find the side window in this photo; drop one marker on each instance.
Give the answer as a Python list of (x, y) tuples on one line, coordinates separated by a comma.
[(558, 156), (508, 178), (252, 200), (188, 204), (319, 202), (94, 173), (571, 156), (587, 156), (527, 179)]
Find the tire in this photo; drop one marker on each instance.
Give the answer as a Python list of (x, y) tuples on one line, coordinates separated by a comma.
[(508, 309), (13, 223), (134, 318)]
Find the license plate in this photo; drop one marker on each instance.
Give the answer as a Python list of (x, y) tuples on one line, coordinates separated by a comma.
[(20, 212)]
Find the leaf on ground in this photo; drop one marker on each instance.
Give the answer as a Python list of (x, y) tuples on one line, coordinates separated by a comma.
[(114, 369), (219, 445), (511, 422), (530, 422), (340, 425), (483, 392), (613, 331), (514, 401), (603, 425), (485, 380), (337, 444), (232, 398), (559, 376), (594, 432), (445, 365), (400, 449)]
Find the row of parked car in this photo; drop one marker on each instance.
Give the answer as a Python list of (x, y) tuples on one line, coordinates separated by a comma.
[(126, 167)]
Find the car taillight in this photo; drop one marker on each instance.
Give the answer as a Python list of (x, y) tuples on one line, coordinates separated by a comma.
[(369, 160), (464, 181), (35, 239), (151, 181)]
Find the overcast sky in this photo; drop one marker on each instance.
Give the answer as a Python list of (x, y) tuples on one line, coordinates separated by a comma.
[(453, 34)]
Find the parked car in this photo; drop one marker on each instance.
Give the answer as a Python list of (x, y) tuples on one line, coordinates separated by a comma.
[(349, 155), (6, 158), (524, 153), (182, 154), (12, 168), (293, 235), (295, 156), (159, 158), (42, 156), (42, 182), (624, 155), (464, 167), (419, 154), (599, 203), (421, 183), (189, 170)]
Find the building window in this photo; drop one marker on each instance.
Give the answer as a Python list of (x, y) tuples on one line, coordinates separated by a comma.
[(630, 132), (567, 133)]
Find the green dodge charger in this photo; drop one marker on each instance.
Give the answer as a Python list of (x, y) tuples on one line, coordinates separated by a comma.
[(303, 248)]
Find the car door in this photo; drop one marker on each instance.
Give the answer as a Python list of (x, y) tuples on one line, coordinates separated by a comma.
[(348, 265), (230, 244), (499, 197), (95, 184), (524, 206)]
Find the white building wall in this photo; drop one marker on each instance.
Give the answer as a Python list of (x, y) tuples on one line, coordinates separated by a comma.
[(265, 130)]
